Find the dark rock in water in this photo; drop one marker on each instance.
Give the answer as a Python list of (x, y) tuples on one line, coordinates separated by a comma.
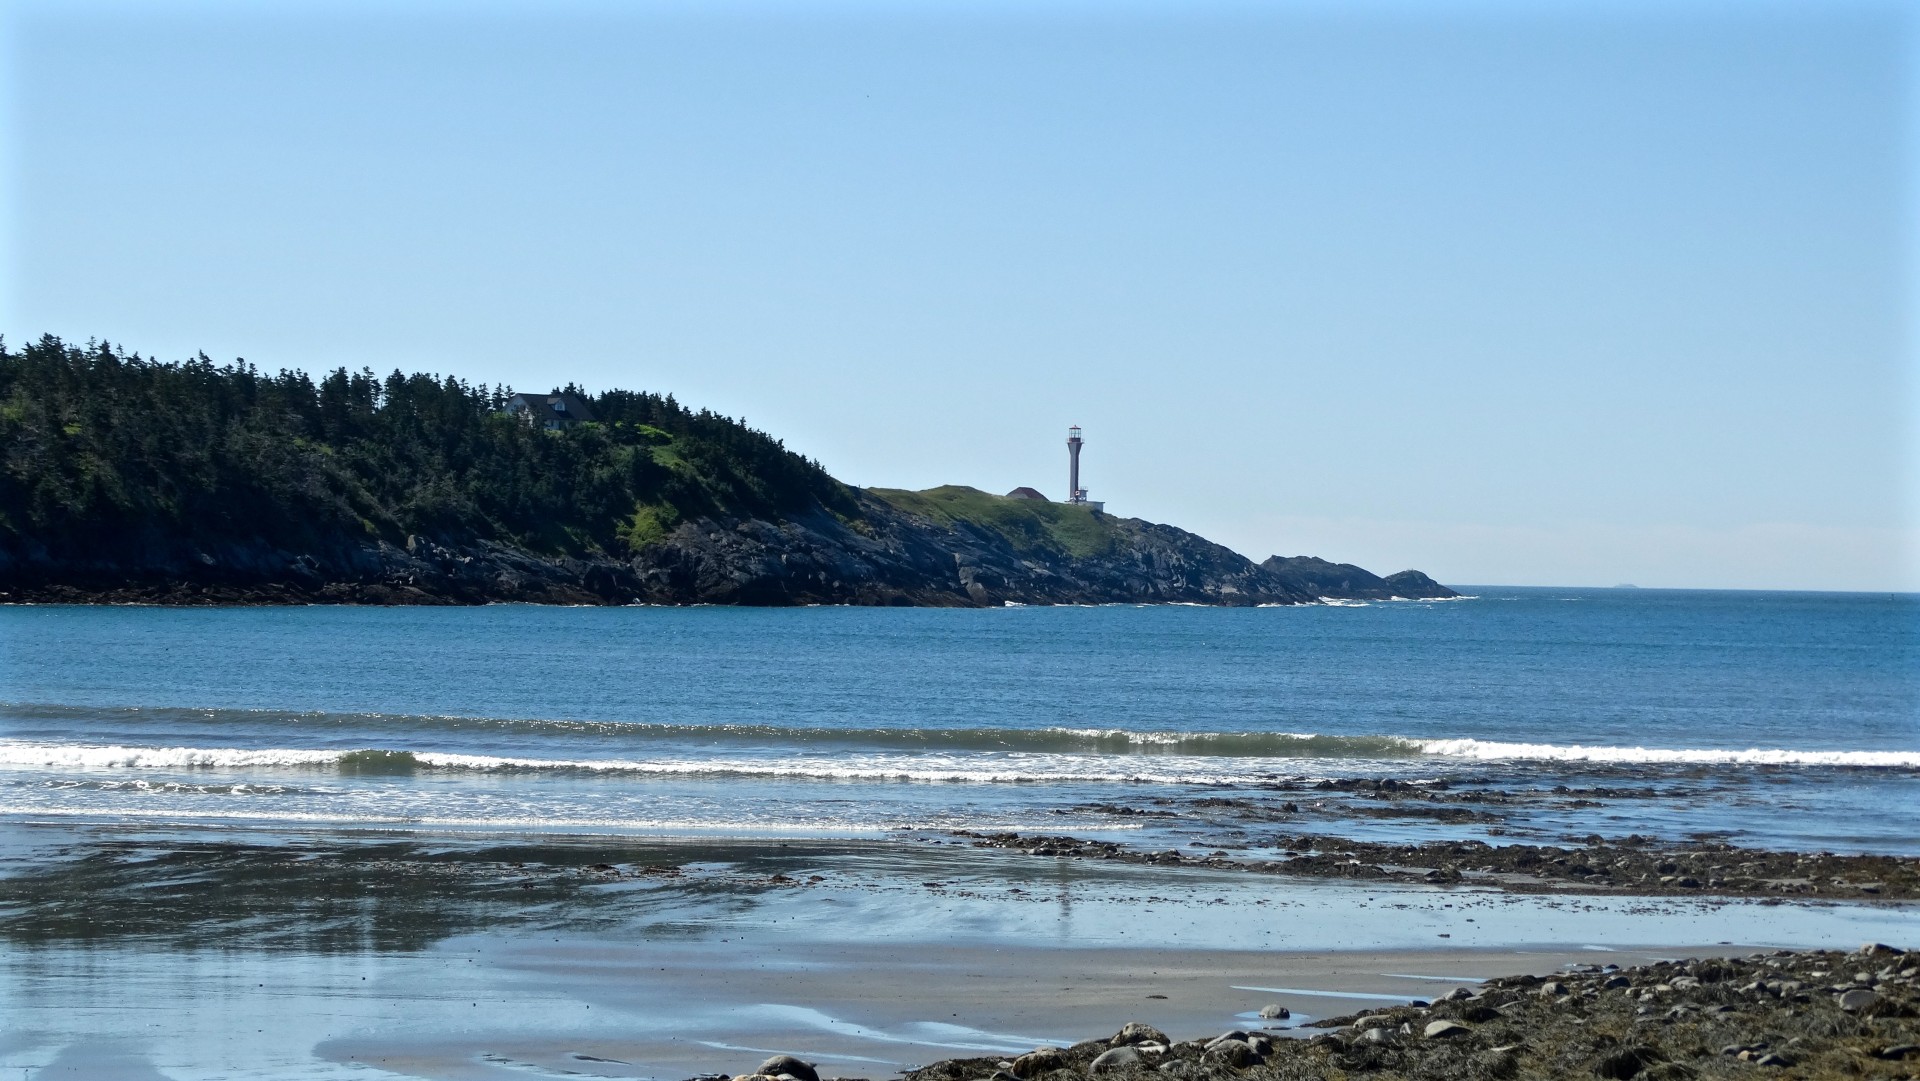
[(1116, 1058), (1522, 867), (787, 1064), (1416, 585), (1138, 1032), (1273, 1011), (1345, 581)]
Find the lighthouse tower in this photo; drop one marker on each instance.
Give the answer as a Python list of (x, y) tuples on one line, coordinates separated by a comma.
[(1075, 493)]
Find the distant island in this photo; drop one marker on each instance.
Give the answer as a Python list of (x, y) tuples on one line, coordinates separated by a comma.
[(128, 480)]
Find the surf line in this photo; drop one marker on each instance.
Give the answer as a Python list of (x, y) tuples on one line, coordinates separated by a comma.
[(1308, 992)]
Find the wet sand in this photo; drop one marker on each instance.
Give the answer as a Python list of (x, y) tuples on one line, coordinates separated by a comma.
[(874, 1010), (272, 955)]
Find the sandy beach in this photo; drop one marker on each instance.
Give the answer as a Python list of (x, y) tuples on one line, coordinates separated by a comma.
[(673, 958)]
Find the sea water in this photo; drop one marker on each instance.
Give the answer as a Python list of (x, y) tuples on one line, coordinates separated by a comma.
[(651, 842), (1777, 719)]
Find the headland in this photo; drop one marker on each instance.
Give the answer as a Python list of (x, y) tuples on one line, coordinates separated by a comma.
[(125, 480)]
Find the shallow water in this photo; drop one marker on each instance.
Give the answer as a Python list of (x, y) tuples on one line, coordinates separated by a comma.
[(1773, 718)]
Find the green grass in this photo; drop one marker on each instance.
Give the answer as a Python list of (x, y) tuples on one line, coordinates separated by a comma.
[(648, 525), (1027, 524)]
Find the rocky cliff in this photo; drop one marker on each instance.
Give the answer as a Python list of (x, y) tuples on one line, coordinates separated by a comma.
[(954, 547), (1348, 582)]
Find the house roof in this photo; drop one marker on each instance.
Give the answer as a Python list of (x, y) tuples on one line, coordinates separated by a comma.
[(556, 406), (1024, 492)]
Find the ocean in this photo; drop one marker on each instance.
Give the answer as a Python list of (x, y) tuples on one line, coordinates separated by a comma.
[(459, 843), (1767, 719)]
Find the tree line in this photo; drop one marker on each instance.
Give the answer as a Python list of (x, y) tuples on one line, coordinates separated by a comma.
[(104, 453)]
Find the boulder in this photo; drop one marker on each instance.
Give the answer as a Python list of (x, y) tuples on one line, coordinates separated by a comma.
[(792, 1067), (1138, 1032), (1238, 1054), (1115, 1058), (1037, 1061), (1858, 999), (1444, 1030), (1273, 1011), (1236, 1034)]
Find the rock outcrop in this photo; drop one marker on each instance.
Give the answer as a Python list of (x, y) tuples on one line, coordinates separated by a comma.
[(883, 555), (1348, 582)]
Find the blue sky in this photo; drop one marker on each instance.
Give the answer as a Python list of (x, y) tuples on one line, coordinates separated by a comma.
[(1543, 293)]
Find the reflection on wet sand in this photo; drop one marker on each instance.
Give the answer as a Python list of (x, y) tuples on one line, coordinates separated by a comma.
[(323, 953)]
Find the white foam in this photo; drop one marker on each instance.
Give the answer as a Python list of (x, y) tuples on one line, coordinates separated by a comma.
[(959, 767), (114, 756), (974, 768), (1492, 751), (526, 822)]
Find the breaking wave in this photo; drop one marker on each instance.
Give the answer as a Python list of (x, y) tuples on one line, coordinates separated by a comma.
[(649, 740), (1490, 751), (1203, 758), (1058, 740)]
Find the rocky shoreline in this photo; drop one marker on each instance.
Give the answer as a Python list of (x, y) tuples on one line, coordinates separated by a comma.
[(1823, 1014), (1632, 866), (883, 556)]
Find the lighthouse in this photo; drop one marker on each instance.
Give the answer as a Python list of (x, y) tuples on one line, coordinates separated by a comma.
[(1075, 493)]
